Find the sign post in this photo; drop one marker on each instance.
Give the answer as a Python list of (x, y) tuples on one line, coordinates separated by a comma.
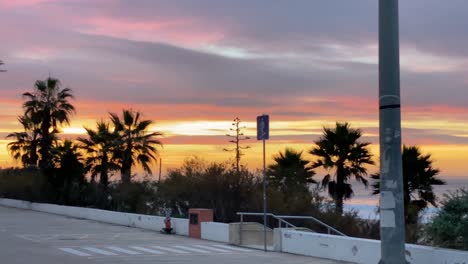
[(263, 133)]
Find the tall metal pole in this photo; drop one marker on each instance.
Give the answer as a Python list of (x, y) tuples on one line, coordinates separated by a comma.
[(264, 196), (392, 224), (263, 126)]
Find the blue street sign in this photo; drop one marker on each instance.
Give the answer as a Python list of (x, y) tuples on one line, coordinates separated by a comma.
[(263, 127)]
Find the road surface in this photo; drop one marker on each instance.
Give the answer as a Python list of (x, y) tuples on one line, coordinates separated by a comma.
[(34, 237)]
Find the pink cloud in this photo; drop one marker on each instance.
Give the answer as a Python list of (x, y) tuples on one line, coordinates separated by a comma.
[(21, 3), (180, 31), (38, 53)]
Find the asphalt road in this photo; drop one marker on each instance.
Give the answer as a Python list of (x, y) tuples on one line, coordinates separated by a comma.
[(33, 237)]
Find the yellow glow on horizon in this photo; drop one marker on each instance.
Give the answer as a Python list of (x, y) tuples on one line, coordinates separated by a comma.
[(436, 124), (451, 159), (74, 130), (278, 128), (194, 128), (461, 135), (5, 159)]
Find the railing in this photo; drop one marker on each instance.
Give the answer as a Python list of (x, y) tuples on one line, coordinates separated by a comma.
[(281, 221)]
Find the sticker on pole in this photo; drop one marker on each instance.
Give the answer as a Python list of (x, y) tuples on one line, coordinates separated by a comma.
[(263, 127)]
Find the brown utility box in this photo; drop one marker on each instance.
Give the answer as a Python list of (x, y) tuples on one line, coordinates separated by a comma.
[(196, 217)]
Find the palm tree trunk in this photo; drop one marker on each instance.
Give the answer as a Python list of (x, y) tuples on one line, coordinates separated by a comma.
[(126, 170), (339, 205), (33, 157), (125, 176), (104, 178), (339, 190), (45, 143), (406, 203)]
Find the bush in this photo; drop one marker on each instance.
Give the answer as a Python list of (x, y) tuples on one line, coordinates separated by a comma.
[(25, 184), (449, 228), (215, 186), (221, 188), (349, 223), (134, 197)]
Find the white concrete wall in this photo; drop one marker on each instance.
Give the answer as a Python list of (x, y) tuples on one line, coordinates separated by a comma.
[(15, 203), (149, 222), (424, 255), (363, 251), (215, 231), (181, 225)]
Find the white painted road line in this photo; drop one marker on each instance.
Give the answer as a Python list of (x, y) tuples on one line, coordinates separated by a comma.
[(75, 252), (170, 250), (125, 251), (100, 251), (213, 248), (147, 250), (155, 250), (233, 248), (192, 249)]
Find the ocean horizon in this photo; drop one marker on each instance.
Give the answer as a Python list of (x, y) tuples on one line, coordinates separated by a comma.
[(366, 204)]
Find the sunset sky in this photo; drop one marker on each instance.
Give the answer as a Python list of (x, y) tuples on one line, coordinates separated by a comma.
[(194, 65)]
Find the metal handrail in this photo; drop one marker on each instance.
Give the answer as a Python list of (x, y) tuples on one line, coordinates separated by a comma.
[(286, 223), (281, 218)]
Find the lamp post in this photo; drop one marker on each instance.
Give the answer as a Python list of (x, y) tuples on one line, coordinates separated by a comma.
[(392, 224)]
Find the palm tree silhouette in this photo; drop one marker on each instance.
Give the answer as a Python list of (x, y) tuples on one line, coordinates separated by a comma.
[(25, 145), (69, 176), (340, 152), (99, 148), (290, 171), (137, 144), (49, 105), (418, 178)]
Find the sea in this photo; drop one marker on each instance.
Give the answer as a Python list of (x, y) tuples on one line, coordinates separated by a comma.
[(366, 204)]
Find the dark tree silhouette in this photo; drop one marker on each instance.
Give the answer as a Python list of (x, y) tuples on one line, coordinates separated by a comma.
[(99, 148), (340, 152), (69, 177), (290, 172), (237, 138), (137, 145), (49, 105), (24, 148), (418, 178)]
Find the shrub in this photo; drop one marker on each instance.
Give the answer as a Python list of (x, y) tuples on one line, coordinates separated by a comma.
[(24, 183), (215, 185), (134, 197), (449, 228)]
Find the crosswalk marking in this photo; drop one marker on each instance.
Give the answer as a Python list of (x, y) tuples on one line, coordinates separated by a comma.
[(113, 250), (75, 252), (122, 250), (170, 250), (100, 251), (213, 248), (147, 250), (233, 248), (192, 249)]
